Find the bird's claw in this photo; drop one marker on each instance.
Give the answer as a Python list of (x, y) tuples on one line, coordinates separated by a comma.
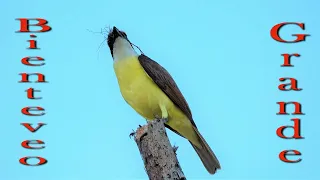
[(157, 117), (164, 120)]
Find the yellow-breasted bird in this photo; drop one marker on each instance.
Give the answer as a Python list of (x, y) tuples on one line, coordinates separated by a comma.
[(151, 91)]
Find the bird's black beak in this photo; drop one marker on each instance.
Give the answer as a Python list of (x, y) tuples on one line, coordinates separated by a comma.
[(113, 35), (115, 30)]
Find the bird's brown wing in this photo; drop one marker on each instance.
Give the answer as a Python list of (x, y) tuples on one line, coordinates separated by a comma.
[(166, 83)]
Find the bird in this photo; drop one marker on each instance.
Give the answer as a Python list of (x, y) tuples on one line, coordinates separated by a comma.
[(152, 92)]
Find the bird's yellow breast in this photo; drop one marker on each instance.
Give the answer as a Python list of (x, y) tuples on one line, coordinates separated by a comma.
[(145, 97), (139, 90)]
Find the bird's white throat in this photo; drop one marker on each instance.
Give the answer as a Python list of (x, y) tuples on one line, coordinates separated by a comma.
[(122, 49)]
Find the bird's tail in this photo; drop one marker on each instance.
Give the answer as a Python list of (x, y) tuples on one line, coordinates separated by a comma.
[(206, 155)]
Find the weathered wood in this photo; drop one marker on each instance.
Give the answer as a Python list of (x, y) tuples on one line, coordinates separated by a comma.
[(159, 157)]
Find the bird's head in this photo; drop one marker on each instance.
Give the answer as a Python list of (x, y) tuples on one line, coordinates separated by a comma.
[(119, 44)]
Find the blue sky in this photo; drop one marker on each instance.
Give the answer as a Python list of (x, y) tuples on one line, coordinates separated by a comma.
[(221, 56)]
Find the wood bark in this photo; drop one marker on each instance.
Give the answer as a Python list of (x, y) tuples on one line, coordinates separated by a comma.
[(158, 155)]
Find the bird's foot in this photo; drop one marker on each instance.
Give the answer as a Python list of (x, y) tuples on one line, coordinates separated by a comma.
[(157, 117), (164, 120)]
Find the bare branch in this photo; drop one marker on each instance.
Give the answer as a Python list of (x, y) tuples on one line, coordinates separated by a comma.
[(159, 157)]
